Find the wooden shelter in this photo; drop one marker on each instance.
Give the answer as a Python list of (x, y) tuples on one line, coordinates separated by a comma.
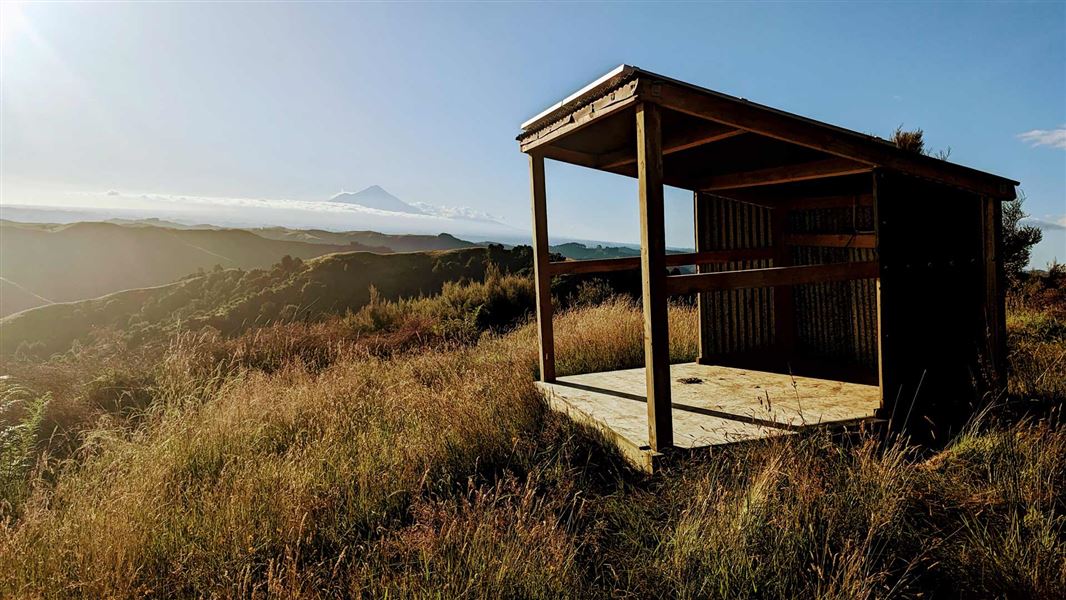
[(839, 278)]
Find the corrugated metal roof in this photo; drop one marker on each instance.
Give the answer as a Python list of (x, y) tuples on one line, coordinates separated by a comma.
[(613, 78)]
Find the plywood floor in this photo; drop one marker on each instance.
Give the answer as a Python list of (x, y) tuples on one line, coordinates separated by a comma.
[(712, 405)]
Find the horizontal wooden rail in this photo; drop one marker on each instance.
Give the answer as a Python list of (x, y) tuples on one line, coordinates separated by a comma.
[(769, 277), (604, 265), (833, 240)]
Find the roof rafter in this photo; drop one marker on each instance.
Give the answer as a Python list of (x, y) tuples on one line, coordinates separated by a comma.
[(819, 169), (707, 133)]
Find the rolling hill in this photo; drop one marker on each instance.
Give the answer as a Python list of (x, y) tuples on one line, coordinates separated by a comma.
[(233, 300), (62, 263), (43, 263)]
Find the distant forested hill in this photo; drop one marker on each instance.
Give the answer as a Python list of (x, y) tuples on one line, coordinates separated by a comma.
[(371, 239), (233, 300), (579, 251)]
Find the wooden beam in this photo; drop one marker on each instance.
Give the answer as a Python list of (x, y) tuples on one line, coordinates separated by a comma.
[(541, 268), (832, 240), (770, 277), (798, 130), (653, 276), (605, 265), (832, 167), (569, 156), (687, 139), (598, 265)]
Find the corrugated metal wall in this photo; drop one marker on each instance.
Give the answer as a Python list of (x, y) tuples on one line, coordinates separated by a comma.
[(835, 322), (736, 322)]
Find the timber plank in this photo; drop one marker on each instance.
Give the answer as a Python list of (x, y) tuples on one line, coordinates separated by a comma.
[(770, 277)]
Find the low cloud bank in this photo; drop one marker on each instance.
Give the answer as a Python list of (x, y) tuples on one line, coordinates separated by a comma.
[(258, 212)]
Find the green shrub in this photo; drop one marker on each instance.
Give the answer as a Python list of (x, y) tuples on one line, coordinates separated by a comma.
[(21, 416)]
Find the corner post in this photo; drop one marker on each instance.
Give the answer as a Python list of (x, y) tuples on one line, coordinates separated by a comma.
[(542, 275), (653, 276), (995, 286), (885, 381)]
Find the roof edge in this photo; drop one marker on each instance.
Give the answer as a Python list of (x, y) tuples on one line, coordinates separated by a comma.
[(601, 84)]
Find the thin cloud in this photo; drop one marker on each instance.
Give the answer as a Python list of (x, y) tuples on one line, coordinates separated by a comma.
[(1056, 138), (455, 212), (1047, 222), (243, 212)]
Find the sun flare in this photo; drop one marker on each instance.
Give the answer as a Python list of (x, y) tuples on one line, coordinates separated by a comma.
[(12, 20)]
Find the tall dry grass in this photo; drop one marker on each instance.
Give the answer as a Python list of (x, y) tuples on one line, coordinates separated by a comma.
[(280, 467), (436, 471)]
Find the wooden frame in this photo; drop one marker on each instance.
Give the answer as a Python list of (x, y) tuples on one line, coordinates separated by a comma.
[(832, 169)]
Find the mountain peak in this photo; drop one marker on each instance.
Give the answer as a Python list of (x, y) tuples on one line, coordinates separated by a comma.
[(377, 198)]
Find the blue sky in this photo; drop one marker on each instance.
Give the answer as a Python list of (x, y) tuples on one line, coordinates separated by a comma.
[(294, 101)]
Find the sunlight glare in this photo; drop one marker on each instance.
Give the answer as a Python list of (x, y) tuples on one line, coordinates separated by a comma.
[(12, 20)]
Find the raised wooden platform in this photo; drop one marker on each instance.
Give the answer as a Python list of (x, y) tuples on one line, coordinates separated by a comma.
[(712, 406)]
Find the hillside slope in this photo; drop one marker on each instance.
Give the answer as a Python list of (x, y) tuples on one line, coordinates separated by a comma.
[(233, 300), (63, 263)]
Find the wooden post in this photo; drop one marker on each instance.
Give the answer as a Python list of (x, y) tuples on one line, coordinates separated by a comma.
[(888, 398), (995, 314), (701, 213), (541, 267), (784, 302), (653, 276)]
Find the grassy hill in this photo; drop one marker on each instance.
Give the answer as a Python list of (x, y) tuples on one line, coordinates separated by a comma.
[(63, 263), (45, 263), (377, 454), (232, 300)]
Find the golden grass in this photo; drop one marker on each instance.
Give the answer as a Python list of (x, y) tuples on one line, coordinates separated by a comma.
[(438, 472)]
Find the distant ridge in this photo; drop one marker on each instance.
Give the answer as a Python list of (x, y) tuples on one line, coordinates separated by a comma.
[(377, 198)]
